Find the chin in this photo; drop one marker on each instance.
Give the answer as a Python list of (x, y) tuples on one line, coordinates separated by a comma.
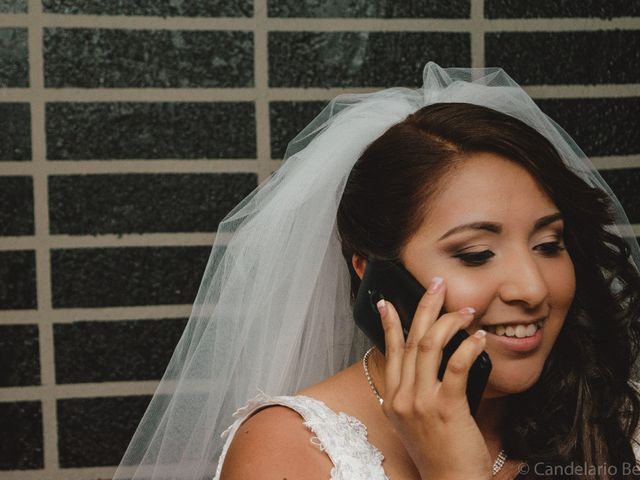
[(510, 380)]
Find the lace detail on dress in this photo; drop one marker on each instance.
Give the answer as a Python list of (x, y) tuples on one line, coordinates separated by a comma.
[(342, 437)]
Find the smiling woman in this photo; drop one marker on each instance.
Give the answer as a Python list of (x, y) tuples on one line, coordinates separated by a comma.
[(517, 240), (490, 207)]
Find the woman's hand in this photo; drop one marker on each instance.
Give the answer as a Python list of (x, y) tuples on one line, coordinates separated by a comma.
[(432, 417)]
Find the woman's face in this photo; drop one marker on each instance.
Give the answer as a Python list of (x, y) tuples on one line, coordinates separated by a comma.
[(496, 238)]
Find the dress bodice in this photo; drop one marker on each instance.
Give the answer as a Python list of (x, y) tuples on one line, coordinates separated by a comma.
[(342, 437)]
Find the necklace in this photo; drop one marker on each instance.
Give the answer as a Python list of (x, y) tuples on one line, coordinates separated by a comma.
[(502, 456)]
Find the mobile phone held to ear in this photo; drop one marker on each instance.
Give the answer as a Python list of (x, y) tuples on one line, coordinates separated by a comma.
[(393, 282)]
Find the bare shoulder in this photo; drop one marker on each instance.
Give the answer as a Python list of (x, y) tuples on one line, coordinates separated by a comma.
[(275, 444)]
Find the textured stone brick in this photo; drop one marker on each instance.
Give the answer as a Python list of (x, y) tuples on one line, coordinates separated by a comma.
[(99, 58), (361, 59), (16, 199), (115, 350), (550, 58), (110, 277), (126, 130), (137, 203)]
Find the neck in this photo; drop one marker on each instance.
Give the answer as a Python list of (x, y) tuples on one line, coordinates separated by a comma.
[(487, 417)]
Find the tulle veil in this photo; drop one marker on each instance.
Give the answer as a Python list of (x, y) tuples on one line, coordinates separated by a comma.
[(272, 312)]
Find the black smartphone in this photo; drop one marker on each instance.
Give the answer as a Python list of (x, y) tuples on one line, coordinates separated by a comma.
[(393, 282)]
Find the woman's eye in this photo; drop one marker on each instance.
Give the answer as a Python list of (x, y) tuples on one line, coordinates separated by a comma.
[(550, 248), (475, 258)]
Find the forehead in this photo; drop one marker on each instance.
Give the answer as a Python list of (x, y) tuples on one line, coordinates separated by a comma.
[(486, 186)]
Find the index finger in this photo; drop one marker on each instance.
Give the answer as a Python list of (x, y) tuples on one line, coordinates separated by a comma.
[(426, 314), (428, 310)]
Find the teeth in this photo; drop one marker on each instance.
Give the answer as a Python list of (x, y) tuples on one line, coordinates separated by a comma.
[(519, 331)]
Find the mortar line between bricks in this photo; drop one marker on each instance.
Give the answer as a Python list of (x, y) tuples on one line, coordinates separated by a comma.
[(188, 167), (208, 95), (102, 473), (261, 78), (433, 24), (145, 312), (41, 213), (106, 240), (477, 34)]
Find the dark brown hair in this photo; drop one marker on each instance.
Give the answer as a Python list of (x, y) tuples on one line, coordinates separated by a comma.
[(582, 410)]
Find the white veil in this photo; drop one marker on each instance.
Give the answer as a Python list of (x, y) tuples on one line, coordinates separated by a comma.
[(273, 311)]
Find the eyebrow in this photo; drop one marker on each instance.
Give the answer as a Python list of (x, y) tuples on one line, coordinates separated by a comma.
[(497, 228)]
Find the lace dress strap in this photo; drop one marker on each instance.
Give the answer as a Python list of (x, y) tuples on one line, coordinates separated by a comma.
[(342, 437)]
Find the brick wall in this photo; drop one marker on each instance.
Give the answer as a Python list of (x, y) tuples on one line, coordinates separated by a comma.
[(128, 129)]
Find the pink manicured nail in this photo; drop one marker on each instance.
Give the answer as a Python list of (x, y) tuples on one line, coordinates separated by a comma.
[(382, 307), (467, 310), (480, 334), (435, 285)]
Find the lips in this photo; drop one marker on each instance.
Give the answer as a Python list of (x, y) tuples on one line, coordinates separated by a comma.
[(515, 344)]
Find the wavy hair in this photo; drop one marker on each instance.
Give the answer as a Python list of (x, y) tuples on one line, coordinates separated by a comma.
[(582, 411)]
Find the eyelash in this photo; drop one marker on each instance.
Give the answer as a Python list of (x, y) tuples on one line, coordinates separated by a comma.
[(476, 259)]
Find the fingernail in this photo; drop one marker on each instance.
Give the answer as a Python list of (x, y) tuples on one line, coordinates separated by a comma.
[(468, 310), (382, 307), (435, 285), (480, 334)]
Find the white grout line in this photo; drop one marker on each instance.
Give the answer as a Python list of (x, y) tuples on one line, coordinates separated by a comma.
[(186, 167), (616, 162), (41, 212), (137, 22), (81, 390), (561, 24), (583, 91), (477, 33), (261, 79), (79, 95), (133, 166), (196, 239), (324, 24), (70, 315), (102, 473)]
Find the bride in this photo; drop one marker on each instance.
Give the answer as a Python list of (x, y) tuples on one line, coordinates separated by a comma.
[(494, 209)]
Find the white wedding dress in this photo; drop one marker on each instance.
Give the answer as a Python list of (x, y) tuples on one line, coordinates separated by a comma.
[(342, 437)]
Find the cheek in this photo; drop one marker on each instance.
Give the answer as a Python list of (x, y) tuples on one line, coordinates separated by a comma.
[(468, 291), (562, 286)]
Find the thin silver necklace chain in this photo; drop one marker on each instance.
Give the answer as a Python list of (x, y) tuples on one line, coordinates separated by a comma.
[(502, 456)]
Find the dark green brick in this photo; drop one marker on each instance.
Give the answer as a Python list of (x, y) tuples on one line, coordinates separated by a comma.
[(361, 59), (562, 8), (114, 351), (600, 126), (13, 6), (14, 63), (369, 8), (98, 58), (16, 199), (162, 8), (128, 276), (142, 203), (15, 131), (551, 58), (21, 440), (126, 130), (96, 431)]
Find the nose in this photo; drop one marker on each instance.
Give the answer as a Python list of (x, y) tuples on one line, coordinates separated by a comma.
[(523, 282)]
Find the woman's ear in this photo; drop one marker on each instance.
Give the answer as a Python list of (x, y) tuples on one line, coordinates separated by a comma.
[(359, 264)]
